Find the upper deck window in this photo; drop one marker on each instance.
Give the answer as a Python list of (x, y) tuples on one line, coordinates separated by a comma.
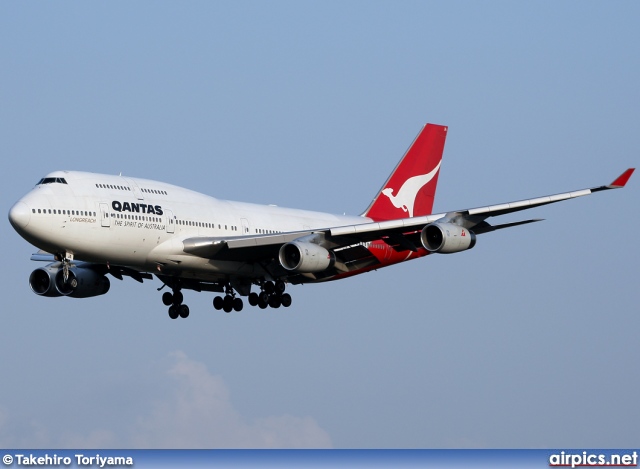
[(51, 181)]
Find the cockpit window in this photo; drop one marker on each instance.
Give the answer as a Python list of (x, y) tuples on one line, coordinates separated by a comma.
[(52, 181)]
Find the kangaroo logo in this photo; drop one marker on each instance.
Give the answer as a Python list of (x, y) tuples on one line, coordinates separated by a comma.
[(406, 196)]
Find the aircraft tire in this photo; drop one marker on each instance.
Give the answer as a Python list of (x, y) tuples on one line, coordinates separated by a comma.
[(178, 298), (173, 312), (264, 297), (253, 299), (227, 304), (262, 304), (275, 301), (184, 311), (280, 286), (167, 298), (286, 300), (218, 303)]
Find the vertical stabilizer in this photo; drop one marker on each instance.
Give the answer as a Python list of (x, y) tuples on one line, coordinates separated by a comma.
[(411, 188)]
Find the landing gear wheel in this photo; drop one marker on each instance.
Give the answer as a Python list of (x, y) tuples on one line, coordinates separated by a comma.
[(218, 303), (227, 304), (263, 303), (269, 287), (275, 301), (253, 299), (173, 312), (280, 286), (183, 311), (263, 298), (178, 298), (167, 298), (237, 304), (286, 300)]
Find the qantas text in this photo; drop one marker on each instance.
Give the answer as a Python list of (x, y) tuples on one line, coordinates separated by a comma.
[(136, 208)]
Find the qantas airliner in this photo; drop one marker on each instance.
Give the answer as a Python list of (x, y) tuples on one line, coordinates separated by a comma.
[(89, 225)]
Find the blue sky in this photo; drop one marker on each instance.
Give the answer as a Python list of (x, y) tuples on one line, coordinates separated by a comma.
[(528, 340)]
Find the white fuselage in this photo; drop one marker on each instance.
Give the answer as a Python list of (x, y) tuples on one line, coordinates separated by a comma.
[(141, 223)]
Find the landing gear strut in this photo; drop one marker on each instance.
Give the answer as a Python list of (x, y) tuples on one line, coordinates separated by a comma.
[(66, 259), (230, 302)]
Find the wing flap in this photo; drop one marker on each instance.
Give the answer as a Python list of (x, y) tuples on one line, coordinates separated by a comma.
[(485, 227)]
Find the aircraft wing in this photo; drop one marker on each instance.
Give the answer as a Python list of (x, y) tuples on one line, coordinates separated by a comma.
[(401, 234), (471, 218)]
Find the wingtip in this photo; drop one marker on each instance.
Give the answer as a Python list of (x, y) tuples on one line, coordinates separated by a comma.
[(621, 181)]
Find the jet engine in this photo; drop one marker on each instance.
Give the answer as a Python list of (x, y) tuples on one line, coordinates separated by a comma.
[(83, 282), (303, 257), (446, 238), (42, 280)]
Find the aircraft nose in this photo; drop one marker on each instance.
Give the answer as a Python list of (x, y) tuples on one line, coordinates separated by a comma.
[(19, 215)]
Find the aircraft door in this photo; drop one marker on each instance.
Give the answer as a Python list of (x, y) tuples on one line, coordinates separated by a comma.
[(104, 215), (136, 190), (171, 221), (245, 226)]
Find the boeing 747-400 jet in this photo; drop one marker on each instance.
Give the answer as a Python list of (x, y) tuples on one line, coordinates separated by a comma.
[(91, 225)]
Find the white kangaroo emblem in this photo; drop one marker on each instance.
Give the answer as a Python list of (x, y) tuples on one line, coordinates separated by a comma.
[(406, 196)]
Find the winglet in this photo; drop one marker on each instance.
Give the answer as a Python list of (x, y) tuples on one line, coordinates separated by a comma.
[(622, 179)]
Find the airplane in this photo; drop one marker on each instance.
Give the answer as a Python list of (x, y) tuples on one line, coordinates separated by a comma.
[(90, 225)]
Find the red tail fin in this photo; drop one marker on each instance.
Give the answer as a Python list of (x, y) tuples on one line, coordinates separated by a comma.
[(411, 188)]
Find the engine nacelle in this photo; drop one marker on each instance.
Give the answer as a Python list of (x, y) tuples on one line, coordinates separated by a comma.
[(446, 238), (83, 282), (42, 280), (303, 257)]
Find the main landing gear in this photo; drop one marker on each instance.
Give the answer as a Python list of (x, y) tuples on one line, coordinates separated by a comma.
[(271, 294), (174, 301), (230, 302)]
